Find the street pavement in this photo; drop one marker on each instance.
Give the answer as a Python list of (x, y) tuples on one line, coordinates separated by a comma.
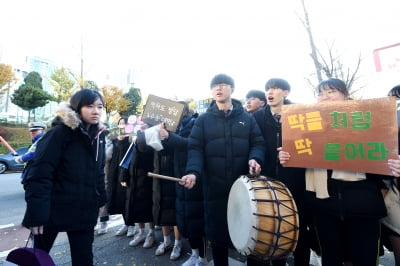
[(108, 248), (115, 250)]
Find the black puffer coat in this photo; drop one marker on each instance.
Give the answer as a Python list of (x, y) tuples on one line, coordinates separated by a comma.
[(164, 194), (219, 150), (351, 199), (64, 185), (293, 178), (115, 175), (140, 186), (189, 202)]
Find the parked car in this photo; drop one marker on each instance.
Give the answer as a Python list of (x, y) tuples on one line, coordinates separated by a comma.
[(7, 160)]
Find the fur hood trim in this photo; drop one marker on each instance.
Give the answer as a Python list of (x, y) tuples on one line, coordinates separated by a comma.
[(68, 116)]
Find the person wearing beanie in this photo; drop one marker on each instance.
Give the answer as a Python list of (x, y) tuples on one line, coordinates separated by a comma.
[(255, 99), (224, 127)]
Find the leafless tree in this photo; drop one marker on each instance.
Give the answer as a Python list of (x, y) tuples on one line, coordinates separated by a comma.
[(330, 66)]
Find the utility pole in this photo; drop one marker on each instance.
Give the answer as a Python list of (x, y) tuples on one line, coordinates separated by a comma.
[(130, 78), (8, 95), (81, 62)]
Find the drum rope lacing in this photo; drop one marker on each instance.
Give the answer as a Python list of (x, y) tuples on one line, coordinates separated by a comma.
[(279, 217)]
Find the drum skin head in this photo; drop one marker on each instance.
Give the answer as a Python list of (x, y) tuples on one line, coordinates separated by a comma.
[(241, 218), (262, 218)]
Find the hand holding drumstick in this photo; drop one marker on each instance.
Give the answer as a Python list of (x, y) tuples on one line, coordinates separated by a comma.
[(254, 167), (187, 181)]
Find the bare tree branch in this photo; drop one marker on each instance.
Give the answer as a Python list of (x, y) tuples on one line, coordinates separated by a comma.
[(314, 55), (331, 66)]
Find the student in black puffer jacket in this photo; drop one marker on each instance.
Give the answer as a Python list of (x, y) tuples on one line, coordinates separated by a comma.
[(64, 185), (224, 144), (277, 90), (189, 202)]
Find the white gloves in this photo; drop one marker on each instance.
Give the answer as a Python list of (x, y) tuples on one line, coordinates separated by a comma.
[(18, 159)]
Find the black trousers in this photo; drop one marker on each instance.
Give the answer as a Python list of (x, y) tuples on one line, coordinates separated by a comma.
[(220, 254), (251, 261), (305, 241), (198, 243), (354, 239), (80, 243)]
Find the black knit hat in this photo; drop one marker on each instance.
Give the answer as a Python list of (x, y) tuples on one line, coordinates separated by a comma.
[(222, 79)]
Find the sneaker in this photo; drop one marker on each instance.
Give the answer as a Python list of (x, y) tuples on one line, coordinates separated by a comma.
[(122, 230), (193, 259), (162, 248), (139, 238), (131, 231), (176, 252), (201, 262), (102, 228), (148, 243)]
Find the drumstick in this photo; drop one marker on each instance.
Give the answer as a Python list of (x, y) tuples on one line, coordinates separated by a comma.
[(7, 145), (164, 177)]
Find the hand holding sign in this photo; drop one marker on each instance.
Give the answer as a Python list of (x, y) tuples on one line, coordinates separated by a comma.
[(283, 156), (394, 166), (159, 110)]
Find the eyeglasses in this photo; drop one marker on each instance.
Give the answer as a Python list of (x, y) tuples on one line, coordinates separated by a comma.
[(221, 86), (326, 93)]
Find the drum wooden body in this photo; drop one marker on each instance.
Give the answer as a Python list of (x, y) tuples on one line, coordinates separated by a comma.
[(262, 218)]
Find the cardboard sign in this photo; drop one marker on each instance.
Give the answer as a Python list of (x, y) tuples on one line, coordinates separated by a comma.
[(159, 110), (354, 135), (202, 105)]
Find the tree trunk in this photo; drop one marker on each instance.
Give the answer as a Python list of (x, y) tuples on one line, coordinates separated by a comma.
[(314, 54)]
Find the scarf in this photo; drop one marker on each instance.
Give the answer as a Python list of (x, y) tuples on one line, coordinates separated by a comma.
[(317, 180)]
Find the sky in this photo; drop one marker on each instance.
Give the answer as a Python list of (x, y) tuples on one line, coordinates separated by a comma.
[(175, 47)]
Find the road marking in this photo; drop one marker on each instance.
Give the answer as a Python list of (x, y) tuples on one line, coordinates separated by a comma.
[(3, 254), (6, 226)]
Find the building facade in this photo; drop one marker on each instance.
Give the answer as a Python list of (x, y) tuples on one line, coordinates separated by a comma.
[(11, 113)]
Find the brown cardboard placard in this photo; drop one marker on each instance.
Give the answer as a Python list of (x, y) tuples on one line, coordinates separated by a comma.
[(159, 110), (354, 135)]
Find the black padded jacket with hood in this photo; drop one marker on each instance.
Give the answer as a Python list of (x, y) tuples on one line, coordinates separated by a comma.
[(64, 185)]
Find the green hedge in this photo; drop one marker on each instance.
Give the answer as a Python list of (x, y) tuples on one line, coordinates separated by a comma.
[(14, 145)]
